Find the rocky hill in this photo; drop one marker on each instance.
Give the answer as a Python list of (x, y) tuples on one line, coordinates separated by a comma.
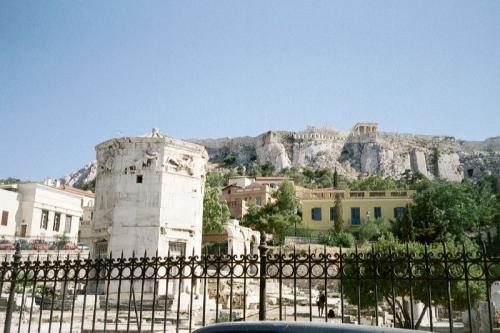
[(361, 151)]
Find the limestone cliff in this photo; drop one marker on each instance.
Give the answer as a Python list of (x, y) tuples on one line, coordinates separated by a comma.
[(361, 151), (82, 176)]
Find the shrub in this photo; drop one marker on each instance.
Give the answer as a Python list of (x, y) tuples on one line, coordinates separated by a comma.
[(344, 239)]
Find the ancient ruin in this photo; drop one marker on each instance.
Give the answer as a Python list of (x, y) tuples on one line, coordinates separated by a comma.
[(364, 150)]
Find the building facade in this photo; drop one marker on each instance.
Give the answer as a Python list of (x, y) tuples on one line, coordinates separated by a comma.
[(239, 199), (9, 209), (318, 207), (44, 211), (242, 192)]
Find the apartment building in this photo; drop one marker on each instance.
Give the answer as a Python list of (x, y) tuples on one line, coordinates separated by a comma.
[(318, 207), (45, 211), (244, 191), (9, 207), (239, 199)]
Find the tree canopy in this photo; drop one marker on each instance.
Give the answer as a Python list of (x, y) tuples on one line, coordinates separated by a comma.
[(373, 183), (9, 180), (275, 217), (215, 211), (443, 210), (396, 292), (88, 186)]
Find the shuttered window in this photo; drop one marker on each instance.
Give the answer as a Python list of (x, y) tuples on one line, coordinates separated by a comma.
[(333, 213), (399, 212), (5, 217), (355, 215), (316, 214)]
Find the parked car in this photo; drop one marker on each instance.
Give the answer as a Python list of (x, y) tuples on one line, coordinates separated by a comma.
[(53, 245), (24, 244), (39, 244), (295, 327), (83, 247), (7, 245), (70, 246)]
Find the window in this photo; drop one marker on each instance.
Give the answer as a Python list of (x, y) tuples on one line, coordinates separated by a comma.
[(101, 248), (44, 222), (399, 212), (333, 213), (67, 224), (138, 179), (377, 212), (258, 201), (57, 221), (177, 249), (316, 214), (355, 215), (5, 217)]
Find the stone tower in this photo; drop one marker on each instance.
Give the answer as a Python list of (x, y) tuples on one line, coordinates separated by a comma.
[(149, 196)]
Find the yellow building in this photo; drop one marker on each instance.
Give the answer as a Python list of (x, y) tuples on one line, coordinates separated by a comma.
[(318, 207)]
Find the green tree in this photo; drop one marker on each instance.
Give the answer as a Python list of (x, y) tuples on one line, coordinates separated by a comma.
[(215, 211), (374, 183), (410, 179), (334, 238), (88, 186), (372, 229), (230, 159), (240, 170), (442, 210), (267, 169), (9, 180), (275, 217), (395, 290), (62, 241), (494, 245), (253, 169), (435, 159), (403, 227), (323, 178), (338, 222), (257, 169), (217, 179), (492, 182)]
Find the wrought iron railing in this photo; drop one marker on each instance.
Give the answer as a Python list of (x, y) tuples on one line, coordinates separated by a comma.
[(431, 287)]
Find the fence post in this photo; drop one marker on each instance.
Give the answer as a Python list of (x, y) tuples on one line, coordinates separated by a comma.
[(262, 272), (11, 302)]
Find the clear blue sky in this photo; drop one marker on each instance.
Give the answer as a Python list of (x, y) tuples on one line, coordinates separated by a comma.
[(74, 73)]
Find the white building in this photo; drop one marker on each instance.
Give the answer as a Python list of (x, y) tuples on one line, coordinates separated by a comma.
[(149, 196), (46, 211), (9, 208)]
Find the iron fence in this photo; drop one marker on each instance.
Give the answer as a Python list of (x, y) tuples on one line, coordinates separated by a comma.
[(434, 288)]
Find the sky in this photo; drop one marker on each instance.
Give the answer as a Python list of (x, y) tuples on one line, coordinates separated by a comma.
[(76, 73)]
